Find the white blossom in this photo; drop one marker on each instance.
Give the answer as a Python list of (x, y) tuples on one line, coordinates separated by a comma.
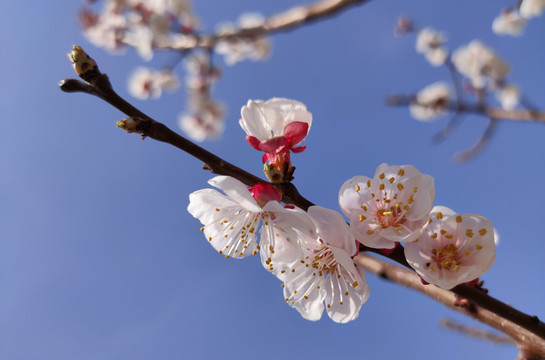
[(326, 272), (431, 102), (233, 220), (430, 43), (509, 23), (275, 123), (145, 83), (142, 24), (202, 126), (452, 249), (509, 96), (479, 63), (236, 49), (141, 38), (104, 30), (391, 207), (532, 8)]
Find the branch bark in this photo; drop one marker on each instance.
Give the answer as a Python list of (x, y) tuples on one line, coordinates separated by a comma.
[(532, 345)]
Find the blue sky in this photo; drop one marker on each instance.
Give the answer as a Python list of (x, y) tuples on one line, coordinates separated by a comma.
[(99, 258)]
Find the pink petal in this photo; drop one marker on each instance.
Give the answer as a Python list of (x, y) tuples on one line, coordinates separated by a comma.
[(298, 149), (295, 132), (253, 141), (273, 146), (265, 192)]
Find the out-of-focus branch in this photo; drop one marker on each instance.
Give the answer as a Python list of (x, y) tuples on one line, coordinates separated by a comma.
[(473, 332), (490, 112), (479, 145), (527, 341), (284, 21)]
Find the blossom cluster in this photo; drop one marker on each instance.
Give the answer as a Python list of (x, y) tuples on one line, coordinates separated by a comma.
[(512, 21), (204, 116), (311, 251), (142, 24), (484, 70), (239, 48), (147, 25)]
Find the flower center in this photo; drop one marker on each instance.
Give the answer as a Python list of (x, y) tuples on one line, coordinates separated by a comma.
[(324, 260), (447, 257), (392, 216)]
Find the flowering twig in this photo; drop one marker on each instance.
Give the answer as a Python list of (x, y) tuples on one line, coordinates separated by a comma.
[(528, 341), (98, 84), (488, 111), (284, 21)]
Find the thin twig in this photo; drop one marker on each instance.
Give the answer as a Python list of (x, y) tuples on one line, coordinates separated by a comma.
[(455, 80), (452, 125), (479, 145), (525, 339), (100, 86), (473, 332)]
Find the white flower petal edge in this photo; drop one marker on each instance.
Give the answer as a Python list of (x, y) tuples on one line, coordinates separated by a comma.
[(279, 237), (390, 208), (229, 227), (326, 272), (452, 248), (230, 221), (267, 119), (233, 220)]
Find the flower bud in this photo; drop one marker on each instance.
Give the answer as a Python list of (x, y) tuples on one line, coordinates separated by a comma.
[(274, 174), (82, 62), (133, 125)]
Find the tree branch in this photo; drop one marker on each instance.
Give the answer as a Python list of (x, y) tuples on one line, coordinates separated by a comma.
[(476, 333), (285, 21), (98, 84), (527, 341), (490, 112)]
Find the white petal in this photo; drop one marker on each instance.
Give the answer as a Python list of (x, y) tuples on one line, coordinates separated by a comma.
[(333, 229), (304, 292), (350, 194), (223, 219), (470, 239), (267, 119), (346, 292), (237, 191)]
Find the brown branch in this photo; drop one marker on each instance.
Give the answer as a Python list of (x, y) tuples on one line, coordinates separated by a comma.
[(490, 112), (285, 21), (98, 84), (527, 341)]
